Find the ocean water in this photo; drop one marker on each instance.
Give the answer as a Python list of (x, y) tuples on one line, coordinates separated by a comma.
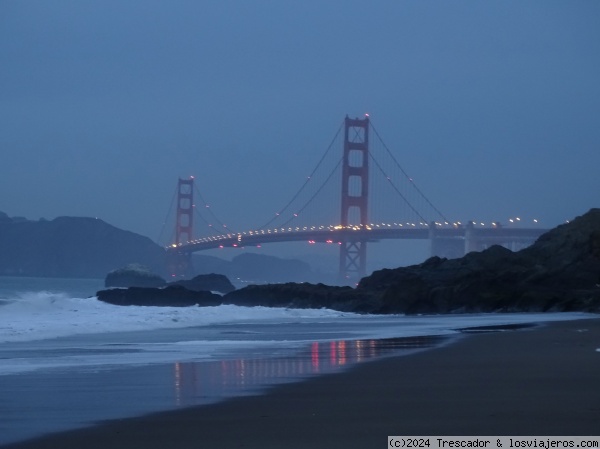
[(68, 360)]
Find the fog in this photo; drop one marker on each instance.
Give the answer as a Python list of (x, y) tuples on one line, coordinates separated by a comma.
[(492, 107)]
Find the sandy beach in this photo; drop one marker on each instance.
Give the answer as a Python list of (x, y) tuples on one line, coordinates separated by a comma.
[(541, 381)]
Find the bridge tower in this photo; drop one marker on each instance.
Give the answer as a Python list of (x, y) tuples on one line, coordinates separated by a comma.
[(355, 196), (185, 211), (180, 263)]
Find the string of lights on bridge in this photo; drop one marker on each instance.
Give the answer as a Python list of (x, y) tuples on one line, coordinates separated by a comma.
[(340, 233), (511, 222)]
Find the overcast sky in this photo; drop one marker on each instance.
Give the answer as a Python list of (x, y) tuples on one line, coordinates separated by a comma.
[(493, 107)]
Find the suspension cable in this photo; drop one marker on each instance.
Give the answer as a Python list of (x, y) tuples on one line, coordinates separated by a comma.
[(167, 217), (316, 193), (396, 188), (204, 220), (308, 179), (207, 206), (406, 175)]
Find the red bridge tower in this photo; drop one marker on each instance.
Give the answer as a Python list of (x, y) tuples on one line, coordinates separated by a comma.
[(185, 211), (355, 196), (180, 263)]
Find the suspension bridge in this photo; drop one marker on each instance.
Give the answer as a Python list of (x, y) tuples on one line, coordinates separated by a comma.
[(363, 194)]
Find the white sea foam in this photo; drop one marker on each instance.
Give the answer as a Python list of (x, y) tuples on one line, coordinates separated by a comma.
[(31, 325), (44, 315)]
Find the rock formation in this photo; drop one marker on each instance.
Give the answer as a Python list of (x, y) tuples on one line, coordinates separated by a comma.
[(171, 296), (144, 288), (207, 282), (303, 296), (133, 275)]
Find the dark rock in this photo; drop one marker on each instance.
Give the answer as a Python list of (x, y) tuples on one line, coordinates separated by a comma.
[(207, 282), (177, 294), (133, 275), (303, 296), (171, 296)]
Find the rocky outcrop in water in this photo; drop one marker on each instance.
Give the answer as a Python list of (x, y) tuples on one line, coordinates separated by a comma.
[(303, 296), (183, 293), (133, 275), (207, 282), (171, 296)]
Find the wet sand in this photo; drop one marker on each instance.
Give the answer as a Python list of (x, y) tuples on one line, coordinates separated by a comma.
[(541, 381)]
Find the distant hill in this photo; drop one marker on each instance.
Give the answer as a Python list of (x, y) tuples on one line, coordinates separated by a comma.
[(75, 247), (83, 247), (256, 268)]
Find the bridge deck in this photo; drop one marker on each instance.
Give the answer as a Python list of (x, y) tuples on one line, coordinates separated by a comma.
[(333, 235)]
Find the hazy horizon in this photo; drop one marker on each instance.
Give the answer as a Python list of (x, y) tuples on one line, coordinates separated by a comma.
[(493, 107)]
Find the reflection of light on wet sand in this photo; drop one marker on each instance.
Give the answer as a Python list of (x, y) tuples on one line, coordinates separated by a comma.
[(332, 353), (242, 371), (177, 378), (227, 378), (314, 357), (341, 353), (359, 350)]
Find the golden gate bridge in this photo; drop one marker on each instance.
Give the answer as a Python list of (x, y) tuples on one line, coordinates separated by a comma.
[(366, 197)]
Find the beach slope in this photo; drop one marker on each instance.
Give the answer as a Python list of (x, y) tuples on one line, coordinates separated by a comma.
[(542, 381)]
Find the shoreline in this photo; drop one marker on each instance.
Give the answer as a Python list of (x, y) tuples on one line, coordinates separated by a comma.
[(540, 381), (114, 394)]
